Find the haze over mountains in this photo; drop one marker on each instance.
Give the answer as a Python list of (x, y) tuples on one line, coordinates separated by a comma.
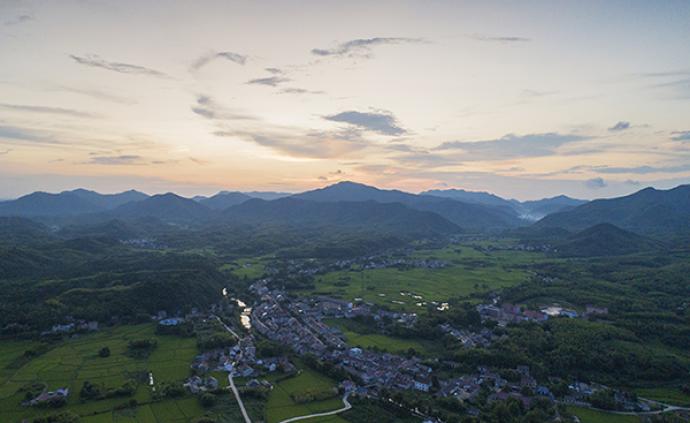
[(353, 206)]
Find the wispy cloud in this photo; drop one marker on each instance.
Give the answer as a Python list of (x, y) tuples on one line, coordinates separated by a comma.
[(512, 146), (362, 47), (116, 160), (595, 183), (96, 61), (680, 136), (270, 81), (296, 143), (25, 134), (47, 110), (207, 58), (3, 152), (620, 126), (18, 20), (97, 94), (643, 170), (300, 91), (380, 122), (499, 39), (207, 107)]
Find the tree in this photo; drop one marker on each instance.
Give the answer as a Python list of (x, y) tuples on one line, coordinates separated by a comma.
[(104, 352), (207, 400)]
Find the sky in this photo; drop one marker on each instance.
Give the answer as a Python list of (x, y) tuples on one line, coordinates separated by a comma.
[(524, 99)]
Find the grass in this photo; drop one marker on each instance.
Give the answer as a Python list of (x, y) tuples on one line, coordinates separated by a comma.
[(251, 268), (358, 337), (470, 271), (280, 405), (672, 396), (71, 362), (592, 416)]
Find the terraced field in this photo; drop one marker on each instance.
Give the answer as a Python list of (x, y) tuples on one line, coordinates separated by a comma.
[(70, 363)]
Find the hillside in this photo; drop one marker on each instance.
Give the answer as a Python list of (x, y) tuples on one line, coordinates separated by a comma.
[(40, 204), (604, 240), (359, 215), (472, 217), (224, 199), (67, 203), (166, 207), (649, 211), (475, 197)]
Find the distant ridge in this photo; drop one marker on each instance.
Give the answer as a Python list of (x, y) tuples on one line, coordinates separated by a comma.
[(649, 211), (166, 207), (529, 210), (365, 215), (224, 199), (473, 217)]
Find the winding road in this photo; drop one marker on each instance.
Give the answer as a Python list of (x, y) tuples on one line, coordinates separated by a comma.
[(230, 375), (239, 399), (325, 414)]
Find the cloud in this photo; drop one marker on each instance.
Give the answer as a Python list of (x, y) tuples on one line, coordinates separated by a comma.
[(297, 144), (274, 71), (116, 160), (362, 47), (23, 134), (620, 126), (300, 91), (499, 39), (97, 62), (202, 61), (210, 109), (18, 20), (99, 95), (383, 123), (47, 110), (3, 152), (680, 136), (643, 170), (512, 146), (271, 81), (632, 182), (595, 183)]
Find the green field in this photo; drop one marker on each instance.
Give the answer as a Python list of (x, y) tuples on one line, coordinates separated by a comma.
[(666, 395), (251, 268), (592, 416), (280, 405), (70, 363), (357, 337), (470, 271)]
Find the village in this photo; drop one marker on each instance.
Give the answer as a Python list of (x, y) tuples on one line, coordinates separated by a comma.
[(298, 323)]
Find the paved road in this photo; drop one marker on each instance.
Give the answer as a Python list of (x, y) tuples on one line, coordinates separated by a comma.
[(328, 413), (666, 408), (239, 400), (232, 332)]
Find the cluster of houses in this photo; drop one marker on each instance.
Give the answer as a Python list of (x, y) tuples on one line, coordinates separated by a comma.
[(197, 384), (467, 338), (72, 327), (58, 396), (513, 313)]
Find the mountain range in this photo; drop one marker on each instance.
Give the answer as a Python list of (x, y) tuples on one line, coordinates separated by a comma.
[(350, 205)]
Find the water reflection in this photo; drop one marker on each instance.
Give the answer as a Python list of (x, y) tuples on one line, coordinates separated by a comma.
[(245, 316)]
